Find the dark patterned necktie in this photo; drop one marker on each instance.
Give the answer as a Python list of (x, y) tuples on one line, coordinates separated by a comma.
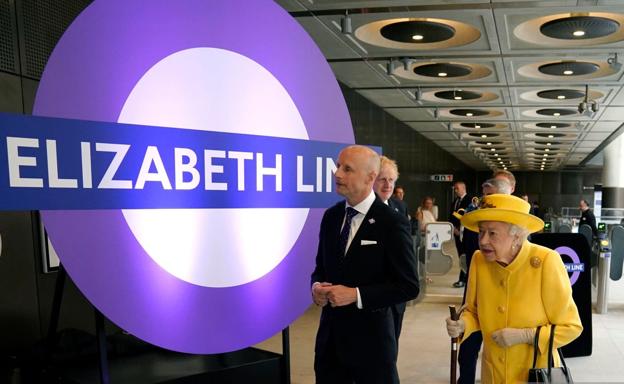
[(344, 233)]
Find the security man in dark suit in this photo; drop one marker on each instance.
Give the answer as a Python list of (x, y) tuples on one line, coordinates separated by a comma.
[(364, 266), (587, 217), (384, 189), (461, 201)]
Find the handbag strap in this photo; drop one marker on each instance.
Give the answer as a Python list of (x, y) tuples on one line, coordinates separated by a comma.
[(551, 339), (536, 345)]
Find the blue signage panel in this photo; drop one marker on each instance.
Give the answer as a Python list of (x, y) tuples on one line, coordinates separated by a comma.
[(51, 163)]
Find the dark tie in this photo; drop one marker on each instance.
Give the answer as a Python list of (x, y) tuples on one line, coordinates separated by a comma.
[(344, 233)]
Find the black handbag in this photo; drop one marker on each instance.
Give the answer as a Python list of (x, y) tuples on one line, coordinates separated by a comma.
[(558, 375)]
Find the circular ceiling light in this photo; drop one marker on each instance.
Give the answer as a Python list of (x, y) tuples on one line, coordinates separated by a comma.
[(478, 125), (484, 135), (550, 135), (579, 27), (548, 142), (443, 70), (555, 112), (417, 31), (457, 95), (469, 112), (560, 94), (569, 68), (488, 143), (553, 125)]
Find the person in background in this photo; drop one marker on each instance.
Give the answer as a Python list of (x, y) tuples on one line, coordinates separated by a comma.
[(469, 351), (425, 214), (399, 192), (398, 196), (525, 197), (384, 187), (506, 175), (514, 287), (535, 210), (587, 217), (365, 265), (461, 201)]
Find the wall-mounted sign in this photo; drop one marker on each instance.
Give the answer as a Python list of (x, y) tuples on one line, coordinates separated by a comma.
[(228, 263), (441, 177)]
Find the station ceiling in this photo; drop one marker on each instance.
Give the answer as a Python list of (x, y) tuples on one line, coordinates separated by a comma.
[(496, 83)]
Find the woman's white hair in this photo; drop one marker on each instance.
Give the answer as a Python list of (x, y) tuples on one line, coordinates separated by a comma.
[(521, 232)]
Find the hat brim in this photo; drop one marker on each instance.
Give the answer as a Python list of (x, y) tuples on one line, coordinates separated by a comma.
[(472, 219)]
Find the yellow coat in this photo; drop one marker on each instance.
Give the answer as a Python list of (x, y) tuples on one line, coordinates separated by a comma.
[(533, 290)]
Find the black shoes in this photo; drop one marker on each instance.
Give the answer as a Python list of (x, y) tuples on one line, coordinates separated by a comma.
[(459, 284)]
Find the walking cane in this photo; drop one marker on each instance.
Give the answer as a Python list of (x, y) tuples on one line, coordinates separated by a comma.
[(455, 317)]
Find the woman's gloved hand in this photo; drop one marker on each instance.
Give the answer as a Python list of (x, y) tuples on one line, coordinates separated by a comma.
[(506, 337), (455, 328)]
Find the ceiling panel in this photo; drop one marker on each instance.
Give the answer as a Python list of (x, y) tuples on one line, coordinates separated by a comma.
[(389, 97), (359, 74), (511, 72)]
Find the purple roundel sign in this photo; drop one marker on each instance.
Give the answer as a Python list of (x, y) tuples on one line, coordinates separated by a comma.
[(575, 267), (193, 280)]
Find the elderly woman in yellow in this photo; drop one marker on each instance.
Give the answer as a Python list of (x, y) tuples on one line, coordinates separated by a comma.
[(514, 286)]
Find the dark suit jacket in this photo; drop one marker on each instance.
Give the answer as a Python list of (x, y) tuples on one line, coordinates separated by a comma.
[(587, 217), (463, 203), (398, 206), (385, 274)]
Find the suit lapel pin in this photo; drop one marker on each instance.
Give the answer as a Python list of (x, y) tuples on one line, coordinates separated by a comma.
[(372, 221)]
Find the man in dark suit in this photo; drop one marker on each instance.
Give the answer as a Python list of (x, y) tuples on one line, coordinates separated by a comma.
[(461, 201), (364, 266), (384, 189), (587, 217)]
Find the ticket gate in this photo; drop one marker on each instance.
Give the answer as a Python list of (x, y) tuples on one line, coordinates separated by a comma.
[(617, 253), (439, 248)]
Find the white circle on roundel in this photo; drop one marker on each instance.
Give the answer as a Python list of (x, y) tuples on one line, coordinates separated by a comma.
[(215, 90)]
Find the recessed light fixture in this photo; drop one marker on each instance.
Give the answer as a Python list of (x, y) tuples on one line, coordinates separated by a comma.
[(489, 143), (442, 74), (578, 33), (420, 37), (561, 97), (553, 126), (548, 144), (547, 150), (496, 155), (568, 72), (477, 126), (493, 149), (545, 154), (551, 136), (457, 97), (469, 114), (483, 136), (556, 114)]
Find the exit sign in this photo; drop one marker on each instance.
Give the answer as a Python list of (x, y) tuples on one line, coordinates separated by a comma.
[(441, 177)]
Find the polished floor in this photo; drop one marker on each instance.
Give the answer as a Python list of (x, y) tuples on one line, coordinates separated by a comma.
[(425, 347)]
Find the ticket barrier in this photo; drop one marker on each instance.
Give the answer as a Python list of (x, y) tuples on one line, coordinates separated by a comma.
[(439, 248), (617, 253)]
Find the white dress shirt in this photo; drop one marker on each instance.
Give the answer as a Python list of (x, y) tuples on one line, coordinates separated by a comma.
[(356, 221)]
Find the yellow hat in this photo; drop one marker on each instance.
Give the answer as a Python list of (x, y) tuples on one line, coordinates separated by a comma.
[(505, 208)]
